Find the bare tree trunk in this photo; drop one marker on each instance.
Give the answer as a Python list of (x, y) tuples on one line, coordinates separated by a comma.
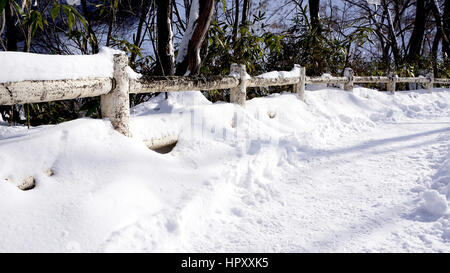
[(165, 55), (245, 11), (314, 7), (317, 41), (416, 40), (188, 59), (446, 23), (11, 30), (439, 34), (392, 37), (236, 20)]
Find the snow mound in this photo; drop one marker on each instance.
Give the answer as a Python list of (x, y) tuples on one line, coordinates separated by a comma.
[(434, 203)]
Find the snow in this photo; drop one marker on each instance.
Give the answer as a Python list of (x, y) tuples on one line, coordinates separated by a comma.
[(374, 2), (434, 202), (446, 234), (441, 180), (245, 77), (294, 73), (365, 171), (20, 66), (132, 74), (73, 2)]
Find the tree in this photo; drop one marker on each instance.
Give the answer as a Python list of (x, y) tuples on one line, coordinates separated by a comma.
[(245, 11), (446, 42), (440, 33), (316, 40), (11, 30), (236, 20), (314, 7), (244, 18), (188, 59), (164, 54), (416, 40)]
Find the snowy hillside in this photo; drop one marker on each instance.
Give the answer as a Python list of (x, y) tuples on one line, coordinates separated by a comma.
[(346, 172)]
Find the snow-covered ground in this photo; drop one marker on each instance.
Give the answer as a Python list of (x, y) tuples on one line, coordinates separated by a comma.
[(346, 172)]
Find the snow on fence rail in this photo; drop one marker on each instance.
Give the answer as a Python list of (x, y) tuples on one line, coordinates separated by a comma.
[(115, 91)]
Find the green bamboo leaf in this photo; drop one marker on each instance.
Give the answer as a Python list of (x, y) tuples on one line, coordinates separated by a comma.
[(80, 17), (71, 21), (55, 11), (40, 22), (224, 4), (66, 10)]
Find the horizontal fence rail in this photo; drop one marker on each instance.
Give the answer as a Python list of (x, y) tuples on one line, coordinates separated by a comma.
[(371, 79), (413, 80), (150, 84), (262, 82), (442, 81), (327, 80), (53, 90), (115, 91)]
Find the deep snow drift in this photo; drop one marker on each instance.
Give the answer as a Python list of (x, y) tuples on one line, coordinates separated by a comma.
[(363, 171)]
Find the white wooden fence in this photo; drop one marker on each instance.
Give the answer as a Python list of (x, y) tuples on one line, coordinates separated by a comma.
[(115, 91)]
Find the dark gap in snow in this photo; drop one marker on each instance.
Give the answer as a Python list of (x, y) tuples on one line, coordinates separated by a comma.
[(165, 149)]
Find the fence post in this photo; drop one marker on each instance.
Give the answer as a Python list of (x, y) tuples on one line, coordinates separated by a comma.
[(116, 104), (429, 85), (392, 82), (348, 72), (299, 88), (239, 93), (296, 86)]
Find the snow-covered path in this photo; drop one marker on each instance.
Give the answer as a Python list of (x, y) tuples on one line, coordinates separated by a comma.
[(346, 172), (357, 194), (351, 191)]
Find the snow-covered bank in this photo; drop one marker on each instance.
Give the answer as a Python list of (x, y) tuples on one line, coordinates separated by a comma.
[(343, 172)]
